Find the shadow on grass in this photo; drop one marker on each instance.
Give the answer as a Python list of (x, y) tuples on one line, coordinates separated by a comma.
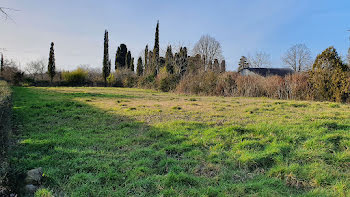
[(85, 151), (98, 95)]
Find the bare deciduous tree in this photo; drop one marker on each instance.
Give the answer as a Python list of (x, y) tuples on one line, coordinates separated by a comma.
[(35, 68), (208, 48), (298, 57), (259, 60)]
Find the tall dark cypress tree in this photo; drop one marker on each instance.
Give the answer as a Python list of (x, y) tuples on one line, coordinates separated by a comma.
[(183, 59), (223, 66), (120, 57), (128, 60), (169, 60), (146, 58), (2, 63), (139, 68), (106, 69), (156, 51), (51, 68)]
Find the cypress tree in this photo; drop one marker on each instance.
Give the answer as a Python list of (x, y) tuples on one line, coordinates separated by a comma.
[(139, 68), (128, 60), (117, 56), (223, 66), (2, 63), (52, 65), (216, 66), (169, 60), (106, 69), (156, 51), (120, 58), (146, 58), (150, 64), (183, 59)]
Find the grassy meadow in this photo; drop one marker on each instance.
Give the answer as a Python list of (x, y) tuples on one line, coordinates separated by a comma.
[(133, 142)]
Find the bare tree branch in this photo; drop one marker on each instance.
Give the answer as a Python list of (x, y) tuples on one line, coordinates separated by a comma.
[(259, 60), (298, 57), (208, 48), (4, 11)]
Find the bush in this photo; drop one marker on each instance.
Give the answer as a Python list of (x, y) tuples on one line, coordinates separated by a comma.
[(165, 81), (203, 83), (146, 81), (227, 84), (43, 193), (294, 86), (111, 79), (125, 78), (297, 86), (5, 130), (76, 77)]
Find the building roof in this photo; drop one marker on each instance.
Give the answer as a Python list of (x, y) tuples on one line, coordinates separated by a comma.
[(270, 71)]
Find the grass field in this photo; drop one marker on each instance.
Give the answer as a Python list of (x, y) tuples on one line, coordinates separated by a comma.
[(131, 142)]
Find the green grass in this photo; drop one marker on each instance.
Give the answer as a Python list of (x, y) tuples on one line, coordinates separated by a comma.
[(132, 142)]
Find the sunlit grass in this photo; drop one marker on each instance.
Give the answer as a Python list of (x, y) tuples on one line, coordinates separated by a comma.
[(132, 142)]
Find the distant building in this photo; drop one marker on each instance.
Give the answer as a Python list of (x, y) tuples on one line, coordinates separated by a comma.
[(266, 71)]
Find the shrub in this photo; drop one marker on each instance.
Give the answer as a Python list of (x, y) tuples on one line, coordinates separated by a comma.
[(297, 86), (250, 86), (227, 84), (43, 193), (76, 77), (125, 78), (203, 83), (294, 86), (111, 79), (146, 81), (5, 130), (165, 81)]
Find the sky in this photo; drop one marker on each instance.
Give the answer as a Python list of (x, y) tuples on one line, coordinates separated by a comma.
[(242, 27)]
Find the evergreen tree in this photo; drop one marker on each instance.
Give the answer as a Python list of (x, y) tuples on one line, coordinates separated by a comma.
[(52, 65), (146, 58), (132, 67), (223, 66), (120, 58), (150, 64), (2, 63), (128, 60), (328, 77), (216, 66), (243, 63), (183, 60), (139, 68), (156, 51), (106, 69), (169, 60)]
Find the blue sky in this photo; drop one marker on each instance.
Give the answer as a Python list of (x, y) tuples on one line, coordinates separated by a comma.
[(242, 27)]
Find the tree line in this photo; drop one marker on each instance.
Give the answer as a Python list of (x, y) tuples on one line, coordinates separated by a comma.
[(325, 78)]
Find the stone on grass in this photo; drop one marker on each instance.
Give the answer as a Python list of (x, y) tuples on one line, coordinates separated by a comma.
[(34, 176)]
